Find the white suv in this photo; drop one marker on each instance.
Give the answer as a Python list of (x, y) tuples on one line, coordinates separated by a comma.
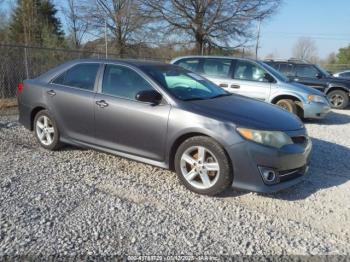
[(258, 80)]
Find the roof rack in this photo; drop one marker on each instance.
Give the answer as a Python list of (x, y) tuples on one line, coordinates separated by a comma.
[(291, 60), (298, 60)]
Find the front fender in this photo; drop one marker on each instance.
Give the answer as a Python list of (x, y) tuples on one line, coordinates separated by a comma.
[(287, 93), (333, 86)]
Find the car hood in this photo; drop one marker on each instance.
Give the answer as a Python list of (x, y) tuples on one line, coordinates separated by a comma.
[(294, 86), (339, 80), (247, 112)]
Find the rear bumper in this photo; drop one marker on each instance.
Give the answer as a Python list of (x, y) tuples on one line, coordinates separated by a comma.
[(316, 110), (290, 164)]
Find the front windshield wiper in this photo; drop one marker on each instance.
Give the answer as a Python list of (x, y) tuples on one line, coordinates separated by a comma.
[(194, 98), (220, 95)]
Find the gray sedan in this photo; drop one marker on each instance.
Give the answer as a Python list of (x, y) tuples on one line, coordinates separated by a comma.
[(169, 117)]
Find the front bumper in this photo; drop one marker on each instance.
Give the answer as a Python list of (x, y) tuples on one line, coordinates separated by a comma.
[(316, 110), (290, 163)]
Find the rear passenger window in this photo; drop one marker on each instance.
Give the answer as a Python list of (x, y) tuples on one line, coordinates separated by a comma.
[(217, 67), (81, 76), (286, 69), (123, 82), (189, 64)]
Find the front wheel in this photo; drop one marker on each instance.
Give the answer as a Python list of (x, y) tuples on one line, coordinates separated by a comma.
[(46, 130), (203, 166), (339, 99), (288, 104)]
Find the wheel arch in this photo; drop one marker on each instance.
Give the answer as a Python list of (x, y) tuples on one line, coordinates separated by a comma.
[(334, 88), (296, 99), (33, 113), (179, 140)]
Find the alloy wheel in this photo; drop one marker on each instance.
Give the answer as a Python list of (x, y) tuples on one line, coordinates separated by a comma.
[(336, 100), (200, 167), (45, 130)]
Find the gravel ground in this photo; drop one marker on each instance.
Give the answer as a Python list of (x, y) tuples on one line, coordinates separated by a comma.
[(83, 202)]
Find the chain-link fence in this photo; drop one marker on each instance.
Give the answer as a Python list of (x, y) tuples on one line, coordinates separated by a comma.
[(19, 62)]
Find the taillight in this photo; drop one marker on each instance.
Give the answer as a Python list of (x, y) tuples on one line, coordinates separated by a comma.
[(20, 87)]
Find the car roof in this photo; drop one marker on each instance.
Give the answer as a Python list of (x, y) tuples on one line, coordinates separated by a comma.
[(133, 62)]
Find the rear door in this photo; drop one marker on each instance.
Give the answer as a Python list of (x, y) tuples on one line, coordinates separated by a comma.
[(70, 97), (217, 70), (125, 124)]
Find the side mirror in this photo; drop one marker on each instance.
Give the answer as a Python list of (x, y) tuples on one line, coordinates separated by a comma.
[(149, 96), (269, 78), (319, 75)]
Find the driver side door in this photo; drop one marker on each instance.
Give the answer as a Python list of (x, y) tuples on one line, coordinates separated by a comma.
[(124, 124)]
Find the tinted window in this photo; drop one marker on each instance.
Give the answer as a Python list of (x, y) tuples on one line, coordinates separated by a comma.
[(189, 64), (217, 67), (306, 71), (123, 82), (81, 76), (286, 69), (246, 70)]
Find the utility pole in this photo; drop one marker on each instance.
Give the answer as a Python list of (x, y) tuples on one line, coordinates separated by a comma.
[(257, 39), (106, 40)]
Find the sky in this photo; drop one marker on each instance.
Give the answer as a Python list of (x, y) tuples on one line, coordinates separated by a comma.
[(327, 22)]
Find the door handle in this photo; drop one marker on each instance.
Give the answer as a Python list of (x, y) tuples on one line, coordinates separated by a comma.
[(223, 85), (236, 86), (102, 103), (51, 93)]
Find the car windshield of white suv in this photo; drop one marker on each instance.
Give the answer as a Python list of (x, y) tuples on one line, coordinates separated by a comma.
[(183, 84)]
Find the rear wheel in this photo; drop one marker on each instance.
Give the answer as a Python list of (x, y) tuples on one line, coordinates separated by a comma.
[(46, 130), (288, 104), (339, 99), (203, 166)]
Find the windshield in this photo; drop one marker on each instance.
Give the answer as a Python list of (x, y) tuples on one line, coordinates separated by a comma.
[(323, 71), (275, 73), (183, 84)]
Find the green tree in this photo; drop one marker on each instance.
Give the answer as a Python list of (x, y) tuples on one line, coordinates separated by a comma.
[(344, 55), (34, 21)]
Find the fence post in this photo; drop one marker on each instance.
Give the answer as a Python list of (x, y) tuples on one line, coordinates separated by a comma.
[(26, 62)]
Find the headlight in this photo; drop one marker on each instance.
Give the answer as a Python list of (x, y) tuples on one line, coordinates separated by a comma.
[(316, 98), (269, 138)]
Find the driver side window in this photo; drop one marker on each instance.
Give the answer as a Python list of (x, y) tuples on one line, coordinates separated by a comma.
[(306, 71), (123, 82), (245, 70)]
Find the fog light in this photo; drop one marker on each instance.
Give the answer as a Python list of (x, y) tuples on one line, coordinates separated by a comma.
[(269, 175)]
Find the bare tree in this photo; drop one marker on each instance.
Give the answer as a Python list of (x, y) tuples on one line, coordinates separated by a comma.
[(214, 23), (77, 26), (123, 19), (305, 49)]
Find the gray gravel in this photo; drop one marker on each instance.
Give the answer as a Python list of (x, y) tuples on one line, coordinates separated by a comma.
[(83, 202)]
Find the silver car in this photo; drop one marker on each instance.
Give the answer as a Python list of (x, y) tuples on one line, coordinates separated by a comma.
[(258, 80), (343, 74)]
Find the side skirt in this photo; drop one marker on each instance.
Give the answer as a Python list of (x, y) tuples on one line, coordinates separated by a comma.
[(117, 153)]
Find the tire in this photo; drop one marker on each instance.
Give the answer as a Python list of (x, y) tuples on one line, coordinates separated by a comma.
[(338, 99), (45, 127), (215, 158), (289, 105)]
